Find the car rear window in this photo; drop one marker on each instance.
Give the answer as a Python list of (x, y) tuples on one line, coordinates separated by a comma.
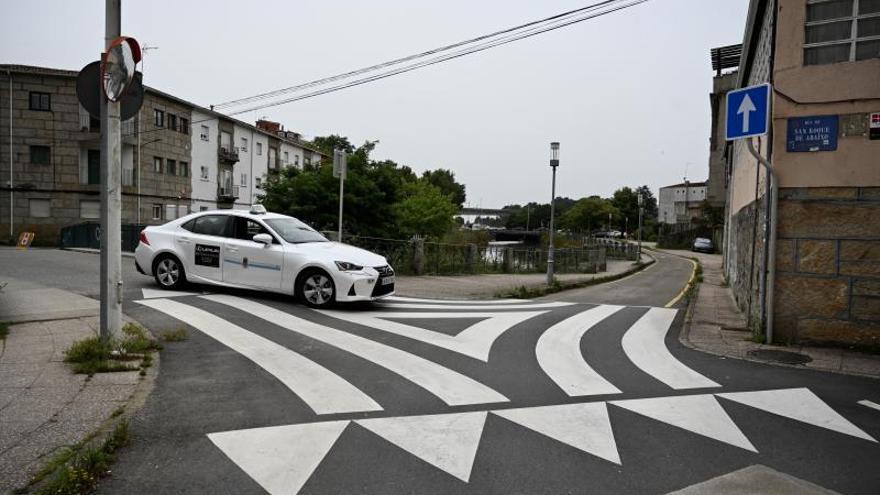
[(211, 225)]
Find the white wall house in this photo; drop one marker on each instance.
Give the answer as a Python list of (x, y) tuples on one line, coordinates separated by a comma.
[(677, 203), (205, 135)]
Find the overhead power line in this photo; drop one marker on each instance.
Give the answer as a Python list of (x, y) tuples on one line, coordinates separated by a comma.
[(409, 58), (469, 47)]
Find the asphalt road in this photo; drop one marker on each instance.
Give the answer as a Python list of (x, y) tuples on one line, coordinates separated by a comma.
[(478, 397)]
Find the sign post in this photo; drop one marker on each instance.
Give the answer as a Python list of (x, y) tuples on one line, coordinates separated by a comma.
[(748, 115), (340, 169)]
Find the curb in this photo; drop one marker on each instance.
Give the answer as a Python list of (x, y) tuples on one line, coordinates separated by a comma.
[(105, 430), (684, 339)]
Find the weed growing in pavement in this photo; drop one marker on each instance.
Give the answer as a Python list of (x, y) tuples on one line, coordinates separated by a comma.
[(174, 335), (4, 329), (92, 355), (85, 465)]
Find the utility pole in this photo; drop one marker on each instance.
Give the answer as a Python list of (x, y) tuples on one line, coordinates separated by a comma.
[(111, 199), (554, 162)]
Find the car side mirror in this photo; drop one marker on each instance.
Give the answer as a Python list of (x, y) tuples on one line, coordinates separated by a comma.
[(263, 239)]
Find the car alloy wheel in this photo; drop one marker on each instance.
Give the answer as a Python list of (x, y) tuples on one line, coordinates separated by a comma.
[(317, 289), (168, 272)]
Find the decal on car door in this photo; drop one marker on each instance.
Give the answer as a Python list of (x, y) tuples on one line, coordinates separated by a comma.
[(207, 255)]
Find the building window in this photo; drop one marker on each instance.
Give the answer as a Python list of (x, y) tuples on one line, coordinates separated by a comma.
[(172, 121), (183, 169), (258, 183), (203, 208), (89, 209), (41, 155), (307, 161), (171, 212), (204, 135), (40, 208), (204, 173), (157, 164), (296, 160), (286, 158), (159, 118), (157, 212), (184, 125), (93, 167), (40, 101), (243, 144), (171, 167), (259, 149), (841, 31), (244, 179)]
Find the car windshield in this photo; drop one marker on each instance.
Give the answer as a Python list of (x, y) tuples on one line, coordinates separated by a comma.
[(294, 231)]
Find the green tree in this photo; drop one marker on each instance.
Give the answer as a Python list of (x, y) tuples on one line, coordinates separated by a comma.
[(333, 142), (445, 181), (424, 210), (588, 214)]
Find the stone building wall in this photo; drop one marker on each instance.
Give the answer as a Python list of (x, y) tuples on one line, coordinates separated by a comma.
[(828, 266)]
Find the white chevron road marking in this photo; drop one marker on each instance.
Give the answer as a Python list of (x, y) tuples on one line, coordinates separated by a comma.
[(583, 426), (559, 354), (447, 441), (321, 389), (473, 307), (402, 299), (450, 386), (156, 293), (799, 404), (280, 458), (867, 403), (644, 345), (701, 414), (475, 341)]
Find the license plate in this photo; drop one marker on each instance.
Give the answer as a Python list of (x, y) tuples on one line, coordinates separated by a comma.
[(388, 280)]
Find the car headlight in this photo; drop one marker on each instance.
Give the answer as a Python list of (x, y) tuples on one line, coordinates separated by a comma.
[(345, 266)]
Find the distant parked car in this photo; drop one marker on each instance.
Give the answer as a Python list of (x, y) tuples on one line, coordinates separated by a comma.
[(703, 245)]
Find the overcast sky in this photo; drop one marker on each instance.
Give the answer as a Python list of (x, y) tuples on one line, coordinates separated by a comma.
[(625, 94)]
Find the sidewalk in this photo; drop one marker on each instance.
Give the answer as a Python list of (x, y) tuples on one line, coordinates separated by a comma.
[(488, 286), (715, 325), (44, 406)]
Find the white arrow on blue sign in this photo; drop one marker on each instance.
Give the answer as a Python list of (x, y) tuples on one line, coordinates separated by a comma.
[(748, 112)]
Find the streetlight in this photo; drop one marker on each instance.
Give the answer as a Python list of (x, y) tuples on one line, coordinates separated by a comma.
[(554, 162), (641, 210)]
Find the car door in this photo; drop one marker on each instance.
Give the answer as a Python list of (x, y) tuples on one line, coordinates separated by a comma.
[(200, 241), (251, 263)]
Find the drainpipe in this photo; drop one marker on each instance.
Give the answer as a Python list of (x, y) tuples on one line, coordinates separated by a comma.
[(11, 194)]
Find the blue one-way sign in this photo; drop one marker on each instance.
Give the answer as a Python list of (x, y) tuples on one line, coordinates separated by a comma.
[(748, 112)]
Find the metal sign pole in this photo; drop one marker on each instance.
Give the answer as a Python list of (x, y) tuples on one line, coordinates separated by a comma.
[(111, 199), (769, 274), (341, 194), (340, 169)]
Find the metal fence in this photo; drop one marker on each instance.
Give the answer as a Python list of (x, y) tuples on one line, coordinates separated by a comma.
[(614, 248), (417, 257), (88, 235)]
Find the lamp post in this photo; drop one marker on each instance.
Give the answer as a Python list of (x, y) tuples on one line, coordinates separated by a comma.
[(641, 210), (554, 162)]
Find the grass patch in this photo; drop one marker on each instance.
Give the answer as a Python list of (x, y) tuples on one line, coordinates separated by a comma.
[(4, 329), (92, 355), (85, 466), (523, 292), (178, 335)]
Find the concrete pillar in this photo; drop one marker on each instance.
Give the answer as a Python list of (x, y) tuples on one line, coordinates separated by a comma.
[(418, 260)]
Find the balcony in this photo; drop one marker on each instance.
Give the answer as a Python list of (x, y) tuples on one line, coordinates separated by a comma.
[(227, 153), (227, 193), (90, 128)]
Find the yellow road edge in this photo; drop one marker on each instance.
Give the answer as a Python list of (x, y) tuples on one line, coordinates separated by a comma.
[(688, 285)]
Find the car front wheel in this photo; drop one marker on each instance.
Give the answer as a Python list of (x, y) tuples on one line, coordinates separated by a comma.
[(168, 272), (316, 289)]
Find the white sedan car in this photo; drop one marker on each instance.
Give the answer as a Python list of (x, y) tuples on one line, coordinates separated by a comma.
[(265, 251)]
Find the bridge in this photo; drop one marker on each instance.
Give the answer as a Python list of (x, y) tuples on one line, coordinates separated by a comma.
[(483, 212)]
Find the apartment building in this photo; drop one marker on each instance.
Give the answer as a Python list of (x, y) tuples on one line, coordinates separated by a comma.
[(681, 203), (823, 59), (177, 157)]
